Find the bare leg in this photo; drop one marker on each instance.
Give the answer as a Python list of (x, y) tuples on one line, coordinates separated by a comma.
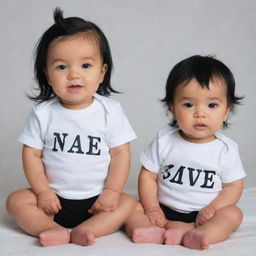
[(103, 223), (22, 206), (217, 229), (140, 229), (175, 231)]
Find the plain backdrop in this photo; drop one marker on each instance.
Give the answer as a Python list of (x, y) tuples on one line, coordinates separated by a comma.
[(147, 37)]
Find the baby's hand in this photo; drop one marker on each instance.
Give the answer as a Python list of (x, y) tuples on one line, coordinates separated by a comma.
[(106, 202), (48, 202), (204, 215), (156, 216)]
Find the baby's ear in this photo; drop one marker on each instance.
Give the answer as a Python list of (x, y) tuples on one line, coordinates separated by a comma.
[(103, 71), (228, 110)]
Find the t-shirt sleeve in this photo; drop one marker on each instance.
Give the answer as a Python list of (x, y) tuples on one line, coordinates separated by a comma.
[(149, 158), (120, 129), (231, 165), (31, 133)]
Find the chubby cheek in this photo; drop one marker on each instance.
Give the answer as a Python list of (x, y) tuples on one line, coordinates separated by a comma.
[(217, 124), (59, 90), (184, 122)]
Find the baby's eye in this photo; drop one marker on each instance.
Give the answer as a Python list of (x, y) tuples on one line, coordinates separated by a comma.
[(62, 67), (212, 105), (86, 65), (188, 105)]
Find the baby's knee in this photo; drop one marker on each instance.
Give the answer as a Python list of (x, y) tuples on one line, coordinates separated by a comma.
[(11, 201), (233, 214), (128, 200), (138, 208), (19, 198), (237, 215)]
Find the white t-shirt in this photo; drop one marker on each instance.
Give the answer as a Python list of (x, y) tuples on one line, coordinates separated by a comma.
[(76, 143), (191, 174)]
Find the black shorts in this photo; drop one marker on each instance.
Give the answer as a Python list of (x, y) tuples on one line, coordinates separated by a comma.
[(74, 212), (178, 216)]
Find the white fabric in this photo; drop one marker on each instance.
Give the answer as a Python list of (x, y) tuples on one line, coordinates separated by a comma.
[(242, 242), (191, 174), (76, 143)]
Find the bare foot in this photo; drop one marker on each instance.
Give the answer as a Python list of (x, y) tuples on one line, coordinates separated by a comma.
[(151, 234), (82, 237), (54, 236), (195, 239), (173, 236)]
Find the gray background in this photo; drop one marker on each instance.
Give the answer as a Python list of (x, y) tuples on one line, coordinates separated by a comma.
[(147, 38)]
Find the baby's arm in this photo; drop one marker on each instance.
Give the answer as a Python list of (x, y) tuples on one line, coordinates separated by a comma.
[(229, 195), (34, 171), (117, 175), (148, 197)]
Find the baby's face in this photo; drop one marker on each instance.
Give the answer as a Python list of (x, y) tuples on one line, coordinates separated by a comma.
[(200, 112), (75, 70)]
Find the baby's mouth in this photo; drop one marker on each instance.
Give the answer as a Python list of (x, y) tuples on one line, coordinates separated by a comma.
[(200, 126), (75, 86)]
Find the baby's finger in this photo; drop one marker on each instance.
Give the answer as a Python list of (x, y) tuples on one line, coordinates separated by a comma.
[(201, 220), (158, 221), (161, 223), (106, 209), (47, 211), (153, 221), (58, 205), (54, 208), (94, 209), (198, 221)]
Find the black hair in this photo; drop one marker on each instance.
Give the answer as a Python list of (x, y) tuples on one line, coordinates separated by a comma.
[(204, 69), (69, 27)]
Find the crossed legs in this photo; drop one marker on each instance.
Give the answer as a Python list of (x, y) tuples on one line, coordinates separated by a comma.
[(217, 229), (22, 206)]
